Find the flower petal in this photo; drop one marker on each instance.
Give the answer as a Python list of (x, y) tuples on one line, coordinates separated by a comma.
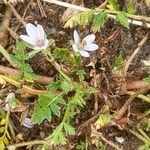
[(46, 43), (40, 31), (84, 53), (76, 37), (91, 47), (27, 123), (31, 31), (27, 39), (75, 47), (89, 38), (43, 47)]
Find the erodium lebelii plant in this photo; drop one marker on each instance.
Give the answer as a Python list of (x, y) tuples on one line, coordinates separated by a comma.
[(35, 37), (84, 46)]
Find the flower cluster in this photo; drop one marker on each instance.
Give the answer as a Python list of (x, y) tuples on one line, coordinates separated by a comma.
[(37, 39)]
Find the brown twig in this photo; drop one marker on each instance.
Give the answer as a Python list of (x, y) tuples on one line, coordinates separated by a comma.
[(103, 4), (140, 45), (24, 88), (109, 142), (88, 122), (17, 15), (40, 79), (31, 143), (134, 85), (97, 135), (124, 108)]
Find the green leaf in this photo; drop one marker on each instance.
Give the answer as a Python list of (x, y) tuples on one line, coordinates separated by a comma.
[(19, 51), (42, 111), (131, 9), (114, 4), (19, 57), (122, 19), (61, 100), (28, 73), (66, 86), (69, 129), (118, 64), (81, 146), (61, 53), (2, 129), (2, 146), (83, 19), (89, 91), (6, 54), (58, 138), (104, 118), (99, 20), (81, 74), (54, 86), (55, 109), (144, 147)]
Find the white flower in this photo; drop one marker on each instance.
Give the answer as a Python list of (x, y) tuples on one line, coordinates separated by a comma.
[(85, 45), (27, 122), (36, 37)]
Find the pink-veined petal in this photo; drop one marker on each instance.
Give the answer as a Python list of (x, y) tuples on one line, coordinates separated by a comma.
[(31, 31), (43, 47), (84, 53), (75, 47), (76, 37), (40, 32), (27, 39), (91, 47), (89, 38)]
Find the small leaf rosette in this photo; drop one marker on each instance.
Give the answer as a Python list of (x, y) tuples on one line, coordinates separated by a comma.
[(84, 46), (36, 37)]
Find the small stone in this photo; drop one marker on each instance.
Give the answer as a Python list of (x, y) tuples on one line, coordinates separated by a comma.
[(119, 139)]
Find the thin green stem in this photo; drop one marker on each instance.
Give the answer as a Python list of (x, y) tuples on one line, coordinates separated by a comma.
[(54, 99), (139, 136), (51, 59)]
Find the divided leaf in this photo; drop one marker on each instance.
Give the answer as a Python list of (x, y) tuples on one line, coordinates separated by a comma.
[(61, 53), (104, 118), (66, 87), (123, 19), (69, 129), (81, 73), (47, 105), (19, 57), (58, 138), (99, 20), (42, 111), (131, 7), (113, 5), (83, 19)]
